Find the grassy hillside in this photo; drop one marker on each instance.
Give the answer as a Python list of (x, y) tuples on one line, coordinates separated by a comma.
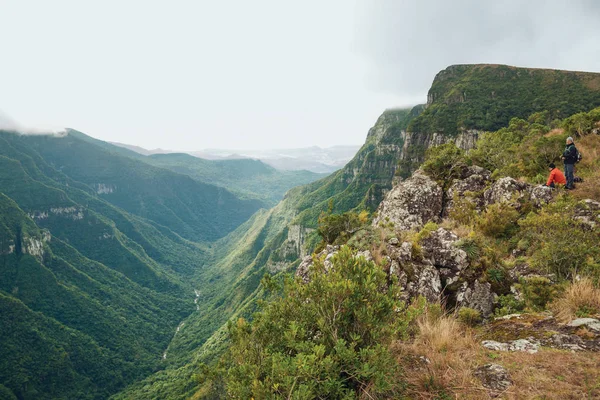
[(246, 177), (192, 209)]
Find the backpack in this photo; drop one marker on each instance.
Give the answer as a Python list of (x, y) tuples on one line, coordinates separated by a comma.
[(578, 155)]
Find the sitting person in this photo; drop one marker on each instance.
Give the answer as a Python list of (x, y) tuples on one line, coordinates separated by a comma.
[(556, 176)]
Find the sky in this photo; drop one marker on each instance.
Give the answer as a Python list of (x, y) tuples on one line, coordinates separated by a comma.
[(190, 75)]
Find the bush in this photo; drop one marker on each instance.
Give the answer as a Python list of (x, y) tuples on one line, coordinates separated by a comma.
[(558, 244), (498, 221), (508, 304), (444, 163), (328, 338), (537, 292), (338, 228), (469, 316)]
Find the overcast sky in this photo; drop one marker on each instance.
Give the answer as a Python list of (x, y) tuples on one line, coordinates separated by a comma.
[(189, 75)]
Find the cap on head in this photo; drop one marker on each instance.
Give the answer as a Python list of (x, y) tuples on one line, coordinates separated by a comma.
[(569, 139), (552, 166)]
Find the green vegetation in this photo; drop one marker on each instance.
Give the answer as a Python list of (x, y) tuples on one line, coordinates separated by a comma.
[(194, 210), (251, 179), (486, 97), (328, 338)]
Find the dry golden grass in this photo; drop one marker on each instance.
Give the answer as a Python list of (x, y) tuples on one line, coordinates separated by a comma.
[(551, 375), (439, 364), (579, 295), (441, 360)]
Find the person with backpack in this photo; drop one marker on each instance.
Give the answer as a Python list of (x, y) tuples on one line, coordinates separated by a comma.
[(570, 157), (556, 176)]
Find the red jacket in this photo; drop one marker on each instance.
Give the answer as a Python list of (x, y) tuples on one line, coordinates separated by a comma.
[(556, 176)]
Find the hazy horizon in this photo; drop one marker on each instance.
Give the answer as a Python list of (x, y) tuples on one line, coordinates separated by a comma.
[(193, 75)]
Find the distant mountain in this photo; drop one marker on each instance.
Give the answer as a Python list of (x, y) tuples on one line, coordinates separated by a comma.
[(315, 159)]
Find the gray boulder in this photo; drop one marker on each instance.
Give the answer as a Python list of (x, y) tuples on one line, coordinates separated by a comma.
[(505, 190), (588, 212), (440, 248), (478, 296), (411, 204)]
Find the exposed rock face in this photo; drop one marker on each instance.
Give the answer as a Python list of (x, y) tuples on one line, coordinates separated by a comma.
[(588, 212), (478, 296), (426, 283), (590, 323), (415, 140), (411, 204), (524, 345), (493, 376), (74, 213), (440, 248), (505, 190), (474, 180), (34, 245), (509, 190), (102, 188), (303, 270)]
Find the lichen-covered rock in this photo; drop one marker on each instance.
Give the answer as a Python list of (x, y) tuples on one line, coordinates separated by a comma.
[(568, 342), (440, 248), (590, 323), (303, 270), (540, 195), (478, 296), (493, 376), (588, 212), (411, 204), (474, 180), (524, 345), (426, 283), (505, 190)]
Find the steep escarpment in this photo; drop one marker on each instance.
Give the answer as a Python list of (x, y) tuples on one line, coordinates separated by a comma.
[(465, 100)]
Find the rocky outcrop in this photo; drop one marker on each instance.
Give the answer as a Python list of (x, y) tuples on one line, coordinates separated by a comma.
[(415, 143), (303, 270), (478, 296), (34, 246), (104, 188), (411, 204), (588, 212), (473, 181), (439, 247), (74, 213), (530, 346), (510, 190)]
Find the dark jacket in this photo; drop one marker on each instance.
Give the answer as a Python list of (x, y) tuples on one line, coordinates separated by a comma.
[(570, 154)]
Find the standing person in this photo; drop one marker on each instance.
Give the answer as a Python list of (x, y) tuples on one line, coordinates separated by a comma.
[(556, 176), (570, 158)]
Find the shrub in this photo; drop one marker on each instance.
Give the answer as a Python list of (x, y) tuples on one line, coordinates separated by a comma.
[(469, 316), (537, 292), (426, 231), (580, 299), (508, 304), (464, 209), (328, 338), (444, 163), (558, 244), (498, 221), (338, 228)]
